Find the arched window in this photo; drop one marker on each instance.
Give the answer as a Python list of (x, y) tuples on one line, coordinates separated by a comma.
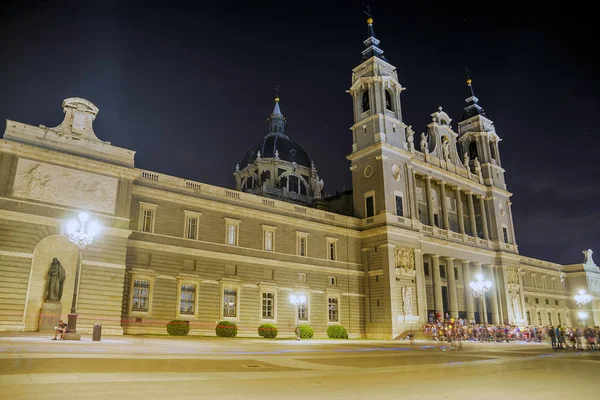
[(366, 105), (493, 149), (388, 100)]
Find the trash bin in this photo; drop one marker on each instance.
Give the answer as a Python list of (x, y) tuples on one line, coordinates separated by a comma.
[(97, 333)]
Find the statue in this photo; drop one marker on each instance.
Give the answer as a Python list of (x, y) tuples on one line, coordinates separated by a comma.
[(56, 279), (445, 149), (407, 300), (587, 258), (277, 154), (237, 167), (516, 309), (410, 137), (477, 166), (466, 160), (424, 143), (258, 155), (320, 184)]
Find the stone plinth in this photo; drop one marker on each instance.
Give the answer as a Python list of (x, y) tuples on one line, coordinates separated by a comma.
[(72, 336), (50, 314)]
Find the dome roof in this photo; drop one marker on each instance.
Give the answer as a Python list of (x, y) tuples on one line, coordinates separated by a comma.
[(288, 151)]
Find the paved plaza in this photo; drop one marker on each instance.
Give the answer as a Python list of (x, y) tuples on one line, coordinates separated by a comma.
[(136, 367)]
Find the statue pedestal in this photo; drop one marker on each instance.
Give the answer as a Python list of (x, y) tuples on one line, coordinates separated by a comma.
[(49, 316)]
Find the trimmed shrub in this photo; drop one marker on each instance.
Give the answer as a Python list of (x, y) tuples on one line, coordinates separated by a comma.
[(337, 332), (306, 332), (226, 329), (268, 331), (178, 327)]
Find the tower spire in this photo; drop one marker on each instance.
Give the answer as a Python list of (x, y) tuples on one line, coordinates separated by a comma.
[(371, 43), (473, 108), (276, 120)]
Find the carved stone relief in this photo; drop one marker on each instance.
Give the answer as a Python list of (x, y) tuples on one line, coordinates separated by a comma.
[(404, 259), (53, 184)]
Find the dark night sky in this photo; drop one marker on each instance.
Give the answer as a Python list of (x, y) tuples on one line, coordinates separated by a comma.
[(189, 87)]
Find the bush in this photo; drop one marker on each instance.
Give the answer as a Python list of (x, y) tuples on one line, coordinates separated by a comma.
[(226, 329), (268, 331), (178, 327), (337, 332), (306, 332)]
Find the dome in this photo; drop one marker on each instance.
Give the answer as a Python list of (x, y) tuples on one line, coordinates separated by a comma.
[(287, 150)]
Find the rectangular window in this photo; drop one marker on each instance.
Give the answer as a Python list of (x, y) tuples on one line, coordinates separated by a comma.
[(547, 301), (191, 225), (505, 234), (147, 217), (303, 311), (332, 304), (399, 206), (268, 305), (301, 243), (301, 277), (426, 268), (537, 301), (331, 249), (370, 206), (141, 295), (555, 302), (455, 273), (232, 231), (187, 303), (443, 271), (549, 318), (539, 318), (332, 280), (559, 319), (230, 302)]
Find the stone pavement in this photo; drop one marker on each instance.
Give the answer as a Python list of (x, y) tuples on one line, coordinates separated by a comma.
[(34, 367)]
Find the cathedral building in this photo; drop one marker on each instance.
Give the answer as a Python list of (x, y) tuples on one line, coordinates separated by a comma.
[(426, 216)]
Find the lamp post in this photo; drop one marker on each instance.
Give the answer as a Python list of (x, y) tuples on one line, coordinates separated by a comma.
[(480, 287), (81, 235), (296, 300)]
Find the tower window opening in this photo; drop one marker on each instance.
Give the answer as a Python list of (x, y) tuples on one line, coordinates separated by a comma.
[(388, 100), (493, 150), (366, 105), (472, 150)]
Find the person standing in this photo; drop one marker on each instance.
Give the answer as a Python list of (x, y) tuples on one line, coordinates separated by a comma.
[(552, 334)]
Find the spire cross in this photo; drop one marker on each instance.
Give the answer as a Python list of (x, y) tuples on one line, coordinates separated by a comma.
[(367, 10), (277, 93)]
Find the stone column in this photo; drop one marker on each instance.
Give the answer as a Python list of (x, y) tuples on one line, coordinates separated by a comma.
[(445, 216), (411, 192), (429, 205), (452, 286), (484, 224), (493, 294), (522, 296), (468, 292), (421, 291), (481, 300), (459, 211), (472, 214), (437, 285), (415, 198)]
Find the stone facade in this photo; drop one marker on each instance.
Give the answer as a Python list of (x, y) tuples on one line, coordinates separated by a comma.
[(428, 217)]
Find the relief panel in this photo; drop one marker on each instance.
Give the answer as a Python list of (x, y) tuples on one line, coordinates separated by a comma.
[(53, 184)]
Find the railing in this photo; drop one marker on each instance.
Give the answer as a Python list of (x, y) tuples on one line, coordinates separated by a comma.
[(247, 199)]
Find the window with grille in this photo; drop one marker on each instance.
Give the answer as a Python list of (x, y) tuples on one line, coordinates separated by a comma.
[(268, 305), (332, 303), (147, 218), (192, 227), (269, 235), (232, 234), (230, 302), (399, 207), (302, 245), (303, 312), (187, 303), (141, 295)]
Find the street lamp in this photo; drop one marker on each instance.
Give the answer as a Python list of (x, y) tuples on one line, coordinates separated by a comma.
[(296, 300), (81, 235), (583, 317), (582, 298), (480, 287)]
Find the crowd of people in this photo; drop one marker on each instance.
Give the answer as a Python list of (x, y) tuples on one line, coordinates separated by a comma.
[(561, 337)]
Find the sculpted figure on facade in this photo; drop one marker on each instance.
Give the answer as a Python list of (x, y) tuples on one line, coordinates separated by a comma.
[(587, 258), (56, 280), (512, 275), (405, 260), (410, 137), (424, 143), (445, 148), (516, 309), (466, 160), (407, 300)]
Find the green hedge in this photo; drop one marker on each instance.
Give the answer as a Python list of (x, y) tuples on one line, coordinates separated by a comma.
[(337, 332), (306, 332), (226, 329), (178, 327), (268, 331)]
